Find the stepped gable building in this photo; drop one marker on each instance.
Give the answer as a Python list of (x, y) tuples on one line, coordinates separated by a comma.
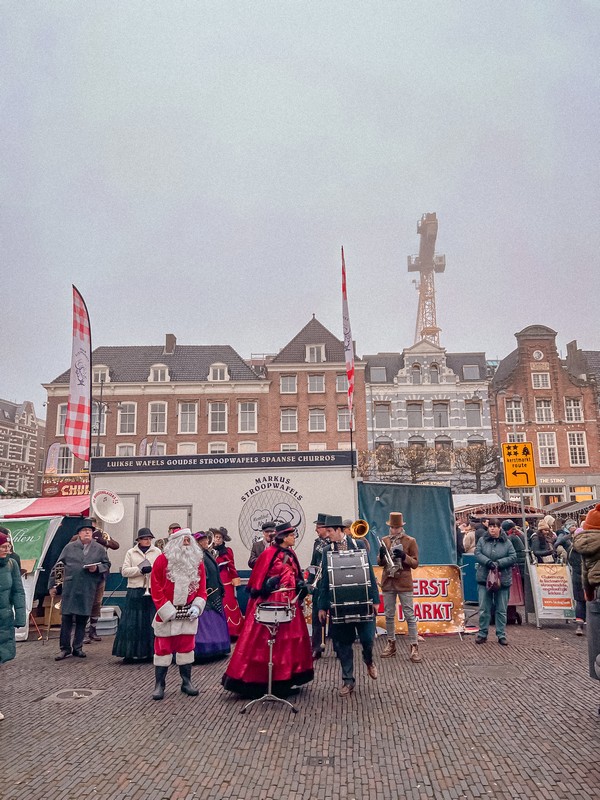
[(309, 394), (427, 397), (21, 448), (537, 397), (172, 399)]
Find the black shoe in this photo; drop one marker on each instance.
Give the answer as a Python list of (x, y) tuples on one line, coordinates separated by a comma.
[(503, 641), (62, 655), (79, 654), (185, 670), (480, 639), (316, 654)]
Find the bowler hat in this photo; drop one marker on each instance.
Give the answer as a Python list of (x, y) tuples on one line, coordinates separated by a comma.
[(284, 528), (332, 521), (84, 523), (396, 520), (320, 520), (144, 533), (268, 526)]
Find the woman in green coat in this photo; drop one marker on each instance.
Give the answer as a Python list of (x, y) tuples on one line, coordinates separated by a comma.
[(12, 602)]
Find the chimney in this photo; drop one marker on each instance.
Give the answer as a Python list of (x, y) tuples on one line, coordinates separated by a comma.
[(170, 342)]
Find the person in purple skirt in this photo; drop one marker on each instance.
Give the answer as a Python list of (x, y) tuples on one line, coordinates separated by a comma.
[(212, 638)]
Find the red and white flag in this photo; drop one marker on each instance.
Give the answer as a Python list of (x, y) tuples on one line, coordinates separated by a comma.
[(78, 424), (348, 345)]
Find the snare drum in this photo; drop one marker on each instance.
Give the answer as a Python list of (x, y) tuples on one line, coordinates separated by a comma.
[(349, 586), (274, 613)]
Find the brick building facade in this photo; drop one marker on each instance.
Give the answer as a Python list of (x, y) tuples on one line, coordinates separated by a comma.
[(21, 448)]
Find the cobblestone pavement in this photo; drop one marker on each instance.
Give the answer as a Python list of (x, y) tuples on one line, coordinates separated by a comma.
[(468, 722)]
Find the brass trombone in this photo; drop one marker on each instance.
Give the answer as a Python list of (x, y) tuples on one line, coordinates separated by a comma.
[(359, 529)]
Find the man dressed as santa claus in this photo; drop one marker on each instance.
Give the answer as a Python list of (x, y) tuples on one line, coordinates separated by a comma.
[(179, 593)]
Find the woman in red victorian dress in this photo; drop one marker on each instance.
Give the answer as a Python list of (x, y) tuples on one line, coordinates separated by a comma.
[(277, 569), (230, 580)]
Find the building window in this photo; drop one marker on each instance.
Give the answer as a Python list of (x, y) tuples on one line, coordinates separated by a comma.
[(217, 447), (515, 437), (188, 418), (343, 418), (97, 451), (473, 414), (316, 383), (61, 418), (217, 417), (443, 455), (158, 449), (440, 415), (540, 380), (551, 494), (573, 410), (547, 449), (98, 418), (471, 372), (100, 375), (543, 411), (514, 411), (316, 419), (247, 418), (315, 353), (434, 374), (577, 448), (65, 461), (579, 494), (159, 373), (317, 446), (416, 441), (288, 420), (382, 415), (289, 447), (414, 415), (126, 418), (287, 384), (247, 447), (416, 373), (378, 375), (218, 372), (187, 449), (341, 383), (157, 418), (125, 450)]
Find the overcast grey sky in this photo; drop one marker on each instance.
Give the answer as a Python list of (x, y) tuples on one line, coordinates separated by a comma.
[(194, 167)]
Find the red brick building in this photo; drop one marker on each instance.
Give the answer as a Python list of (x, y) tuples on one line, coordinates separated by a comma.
[(534, 397)]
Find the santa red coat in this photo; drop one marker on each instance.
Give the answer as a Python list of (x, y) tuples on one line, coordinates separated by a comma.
[(174, 635)]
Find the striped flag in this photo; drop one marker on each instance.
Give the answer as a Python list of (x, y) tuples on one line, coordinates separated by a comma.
[(78, 424), (348, 345)]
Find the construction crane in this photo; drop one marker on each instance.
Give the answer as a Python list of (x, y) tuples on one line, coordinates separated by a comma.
[(427, 264)]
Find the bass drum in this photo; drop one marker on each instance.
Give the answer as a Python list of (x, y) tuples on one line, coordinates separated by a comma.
[(349, 586)]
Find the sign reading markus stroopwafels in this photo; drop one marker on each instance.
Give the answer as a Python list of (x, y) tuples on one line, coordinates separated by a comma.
[(519, 467)]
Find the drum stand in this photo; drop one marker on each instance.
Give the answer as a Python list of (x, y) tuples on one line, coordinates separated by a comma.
[(269, 697)]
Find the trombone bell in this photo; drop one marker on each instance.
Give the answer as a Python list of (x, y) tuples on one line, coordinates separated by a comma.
[(359, 529)]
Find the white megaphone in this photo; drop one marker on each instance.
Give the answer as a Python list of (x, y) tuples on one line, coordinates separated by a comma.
[(107, 505)]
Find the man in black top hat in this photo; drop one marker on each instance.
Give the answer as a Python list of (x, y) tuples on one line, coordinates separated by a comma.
[(321, 542), (268, 529), (343, 634)]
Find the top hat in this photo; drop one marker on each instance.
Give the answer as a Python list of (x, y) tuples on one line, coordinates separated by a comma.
[(268, 526), (85, 522), (320, 520), (396, 520), (284, 528), (332, 521), (144, 533)]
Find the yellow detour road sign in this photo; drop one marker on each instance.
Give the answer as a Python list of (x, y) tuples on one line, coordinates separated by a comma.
[(519, 469)]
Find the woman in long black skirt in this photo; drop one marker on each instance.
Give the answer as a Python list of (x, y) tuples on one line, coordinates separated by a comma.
[(135, 637)]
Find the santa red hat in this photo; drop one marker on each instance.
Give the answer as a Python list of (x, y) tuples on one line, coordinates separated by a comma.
[(592, 521)]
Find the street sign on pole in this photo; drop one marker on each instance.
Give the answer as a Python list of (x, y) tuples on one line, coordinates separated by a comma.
[(519, 468)]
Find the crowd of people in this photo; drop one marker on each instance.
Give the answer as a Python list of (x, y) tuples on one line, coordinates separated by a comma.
[(181, 605)]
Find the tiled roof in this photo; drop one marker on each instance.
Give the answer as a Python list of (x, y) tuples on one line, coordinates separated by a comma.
[(392, 362), (131, 364), (314, 332), (592, 359), (505, 369), (456, 362)]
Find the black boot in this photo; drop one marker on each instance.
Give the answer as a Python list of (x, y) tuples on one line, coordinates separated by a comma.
[(185, 670), (160, 675)]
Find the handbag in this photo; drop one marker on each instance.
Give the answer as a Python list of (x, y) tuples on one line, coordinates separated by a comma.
[(492, 583)]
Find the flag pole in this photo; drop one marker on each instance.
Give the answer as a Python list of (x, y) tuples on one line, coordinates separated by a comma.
[(349, 357)]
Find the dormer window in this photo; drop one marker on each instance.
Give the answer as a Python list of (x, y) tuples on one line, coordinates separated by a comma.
[(315, 353), (218, 372), (159, 373), (100, 374), (416, 373)]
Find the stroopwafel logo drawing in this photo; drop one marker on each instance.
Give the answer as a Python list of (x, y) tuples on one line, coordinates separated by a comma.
[(271, 498)]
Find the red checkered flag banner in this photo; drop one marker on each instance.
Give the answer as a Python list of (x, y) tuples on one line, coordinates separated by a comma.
[(78, 424), (348, 345)]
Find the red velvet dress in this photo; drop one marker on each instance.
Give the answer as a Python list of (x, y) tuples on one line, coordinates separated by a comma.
[(247, 672), (228, 573)]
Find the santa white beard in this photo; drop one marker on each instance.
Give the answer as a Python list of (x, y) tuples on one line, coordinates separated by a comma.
[(182, 567)]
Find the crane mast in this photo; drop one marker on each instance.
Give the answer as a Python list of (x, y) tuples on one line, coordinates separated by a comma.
[(427, 264)]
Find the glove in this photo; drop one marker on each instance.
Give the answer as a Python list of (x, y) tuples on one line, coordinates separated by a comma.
[(382, 552), (270, 585), (491, 564), (194, 612), (146, 570), (301, 589), (398, 551)]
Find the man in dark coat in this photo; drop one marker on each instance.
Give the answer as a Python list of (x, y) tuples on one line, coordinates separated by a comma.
[(268, 529), (319, 545), (85, 562), (344, 633)]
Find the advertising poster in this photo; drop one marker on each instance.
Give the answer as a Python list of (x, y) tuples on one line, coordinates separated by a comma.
[(552, 591)]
